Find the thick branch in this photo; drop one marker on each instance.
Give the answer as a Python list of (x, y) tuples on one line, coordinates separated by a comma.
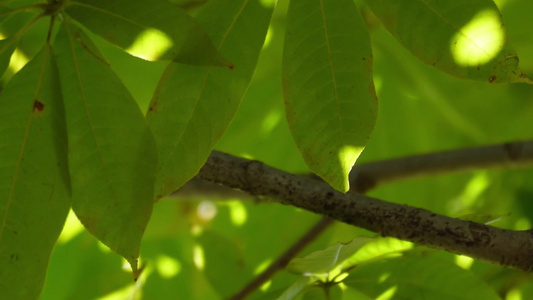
[(504, 247)]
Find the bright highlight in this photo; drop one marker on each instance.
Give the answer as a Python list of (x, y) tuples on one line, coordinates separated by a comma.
[(479, 41), (347, 157), (150, 45)]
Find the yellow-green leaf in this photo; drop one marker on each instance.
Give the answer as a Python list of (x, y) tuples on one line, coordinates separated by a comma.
[(464, 38), (193, 106), (329, 93), (112, 156), (34, 181)]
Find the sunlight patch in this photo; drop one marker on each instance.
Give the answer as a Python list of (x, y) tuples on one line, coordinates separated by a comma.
[(71, 229), (478, 41), (472, 191), (206, 211), (260, 268), (268, 3), (198, 257), (388, 294), (150, 45), (464, 262), (167, 266), (347, 157), (18, 60), (237, 213), (514, 294)]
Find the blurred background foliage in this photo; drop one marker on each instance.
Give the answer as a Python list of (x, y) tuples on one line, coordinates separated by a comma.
[(209, 249)]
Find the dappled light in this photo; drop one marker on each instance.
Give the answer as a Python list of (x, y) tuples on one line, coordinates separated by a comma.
[(72, 228), (198, 257), (268, 3), (464, 262), (206, 210), (150, 44), (347, 156), (388, 294), (207, 146), (18, 60), (167, 266), (480, 40), (260, 268), (238, 214), (470, 196)]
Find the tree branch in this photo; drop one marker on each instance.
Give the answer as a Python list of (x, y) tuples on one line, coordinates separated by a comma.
[(509, 155), (371, 175), (504, 247)]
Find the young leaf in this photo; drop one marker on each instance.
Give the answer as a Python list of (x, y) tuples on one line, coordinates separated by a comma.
[(112, 156), (295, 289), (156, 24), (34, 190), (193, 106), (327, 85), (323, 261), (464, 38), (428, 277)]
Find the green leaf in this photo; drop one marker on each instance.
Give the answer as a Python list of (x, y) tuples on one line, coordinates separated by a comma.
[(193, 106), (323, 261), (329, 94), (464, 38), (34, 185), (155, 30), (112, 155), (418, 277)]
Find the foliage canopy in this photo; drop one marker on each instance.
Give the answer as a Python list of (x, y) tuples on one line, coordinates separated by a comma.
[(108, 107)]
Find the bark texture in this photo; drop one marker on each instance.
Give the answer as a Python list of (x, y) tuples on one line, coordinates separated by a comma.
[(500, 246)]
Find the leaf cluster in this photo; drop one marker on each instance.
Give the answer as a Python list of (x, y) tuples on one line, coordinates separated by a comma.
[(117, 104)]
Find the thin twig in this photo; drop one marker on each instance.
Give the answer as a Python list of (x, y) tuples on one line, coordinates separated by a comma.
[(500, 156), (282, 261)]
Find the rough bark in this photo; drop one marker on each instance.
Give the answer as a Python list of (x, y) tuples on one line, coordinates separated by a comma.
[(500, 246)]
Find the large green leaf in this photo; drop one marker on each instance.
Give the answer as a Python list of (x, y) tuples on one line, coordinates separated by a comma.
[(464, 38), (327, 85), (155, 25), (192, 106), (415, 277), (112, 155), (34, 185)]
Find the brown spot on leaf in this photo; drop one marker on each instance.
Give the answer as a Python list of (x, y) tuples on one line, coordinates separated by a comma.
[(153, 106), (231, 67), (38, 106), (492, 78)]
